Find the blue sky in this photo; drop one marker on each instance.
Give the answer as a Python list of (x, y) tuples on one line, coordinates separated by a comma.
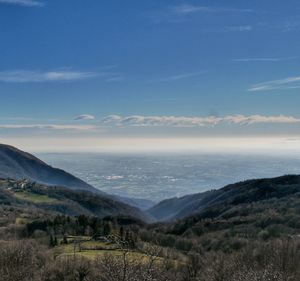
[(148, 69)]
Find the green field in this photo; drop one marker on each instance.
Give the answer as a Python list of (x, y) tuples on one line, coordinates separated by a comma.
[(94, 254), (35, 198), (94, 249)]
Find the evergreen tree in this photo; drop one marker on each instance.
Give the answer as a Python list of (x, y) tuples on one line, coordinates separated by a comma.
[(121, 233), (106, 229), (51, 241), (65, 240)]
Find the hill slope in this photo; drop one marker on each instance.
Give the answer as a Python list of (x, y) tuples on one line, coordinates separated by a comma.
[(234, 194), (247, 214), (62, 200), (17, 164)]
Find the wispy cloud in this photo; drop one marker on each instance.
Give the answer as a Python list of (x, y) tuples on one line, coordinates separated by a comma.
[(237, 28), (85, 117), (25, 76), (179, 76), (257, 60), (291, 25), (265, 59), (115, 78), (26, 3), (181, 12), (49, 127), (183, 121), (186, 9), (281, 84)]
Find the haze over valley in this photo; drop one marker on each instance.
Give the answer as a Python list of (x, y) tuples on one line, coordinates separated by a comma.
[(156, 176)]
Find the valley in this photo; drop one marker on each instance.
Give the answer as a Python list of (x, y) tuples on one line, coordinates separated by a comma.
[(182, 238)]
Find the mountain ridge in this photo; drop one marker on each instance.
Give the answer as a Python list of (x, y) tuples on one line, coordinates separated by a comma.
[(62, 200), (18, 164), (242, 192)]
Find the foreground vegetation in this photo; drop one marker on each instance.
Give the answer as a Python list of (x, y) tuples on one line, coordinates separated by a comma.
[(252, 234), (63, 248), (278, 260)]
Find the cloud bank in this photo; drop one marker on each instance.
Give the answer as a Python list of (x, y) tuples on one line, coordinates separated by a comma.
[(177, 121), (138, 121)]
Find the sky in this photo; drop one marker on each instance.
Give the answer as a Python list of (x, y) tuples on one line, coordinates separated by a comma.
[(161, 74)]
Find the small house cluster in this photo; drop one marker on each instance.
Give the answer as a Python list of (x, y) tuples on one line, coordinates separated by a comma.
[(12, 184)]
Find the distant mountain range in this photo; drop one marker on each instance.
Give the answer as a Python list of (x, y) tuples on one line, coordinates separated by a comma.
[(231, 195)]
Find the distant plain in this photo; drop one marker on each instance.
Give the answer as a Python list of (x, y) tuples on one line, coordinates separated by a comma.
[(157, 177)]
